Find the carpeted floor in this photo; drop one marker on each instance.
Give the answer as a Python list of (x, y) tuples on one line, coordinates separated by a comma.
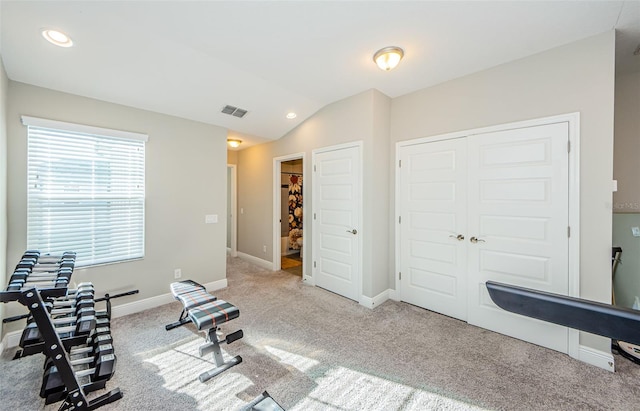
[(313, 350)]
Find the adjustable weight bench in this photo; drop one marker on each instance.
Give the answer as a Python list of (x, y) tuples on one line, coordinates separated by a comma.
[(206, 312)]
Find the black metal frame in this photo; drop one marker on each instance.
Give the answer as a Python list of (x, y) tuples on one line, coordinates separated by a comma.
[(54, 348), (603, 319)]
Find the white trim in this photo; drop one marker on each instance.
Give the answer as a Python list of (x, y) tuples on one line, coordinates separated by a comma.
[(394, 294), (573, 119), (574, 222), (255, 260), (600, 359), (307, 279), (277, 230), (11, 339), (233, 250), (156, 301), (360, 145), (81, 128), (375, 301)]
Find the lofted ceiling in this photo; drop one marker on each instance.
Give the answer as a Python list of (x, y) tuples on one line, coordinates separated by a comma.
[(190, 59)]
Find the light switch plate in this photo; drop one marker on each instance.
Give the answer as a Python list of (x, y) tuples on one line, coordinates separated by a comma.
[(635, 231)]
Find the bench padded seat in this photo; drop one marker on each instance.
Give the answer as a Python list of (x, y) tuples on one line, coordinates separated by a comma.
[(195, 298), (185, 286), (191, 294), (212, 314)]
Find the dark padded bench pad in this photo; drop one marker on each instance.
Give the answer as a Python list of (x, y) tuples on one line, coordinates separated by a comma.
[(195, 298), (212, 314), (191, 294), (185, 286)]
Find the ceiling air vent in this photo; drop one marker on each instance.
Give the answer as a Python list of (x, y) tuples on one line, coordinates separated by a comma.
[(234, 111)]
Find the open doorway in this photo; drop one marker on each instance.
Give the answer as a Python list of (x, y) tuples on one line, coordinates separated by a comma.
[(289, 213)]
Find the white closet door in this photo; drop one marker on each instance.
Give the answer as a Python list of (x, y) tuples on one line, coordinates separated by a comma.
[(433, 212), (336, 225), (518, 211)]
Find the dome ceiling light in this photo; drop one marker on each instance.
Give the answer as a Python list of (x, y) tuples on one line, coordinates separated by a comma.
[(388, 57), (233, 142)]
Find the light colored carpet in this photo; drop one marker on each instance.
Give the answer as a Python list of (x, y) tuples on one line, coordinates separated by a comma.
[(314, 350)]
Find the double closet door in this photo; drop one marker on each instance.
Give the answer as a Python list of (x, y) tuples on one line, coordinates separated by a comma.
[(484, 207)]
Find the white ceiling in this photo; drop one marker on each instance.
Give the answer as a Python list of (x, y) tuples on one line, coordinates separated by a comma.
[(189, 59)]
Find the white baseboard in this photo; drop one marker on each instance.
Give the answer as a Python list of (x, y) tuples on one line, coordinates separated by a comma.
[(394, 295), (257, 261), (375, 301), (308, 280), (600, 359), (12, 339), (156, 301)]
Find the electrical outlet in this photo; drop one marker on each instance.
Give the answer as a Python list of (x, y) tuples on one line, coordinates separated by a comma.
[(177, 273), (635, 231)]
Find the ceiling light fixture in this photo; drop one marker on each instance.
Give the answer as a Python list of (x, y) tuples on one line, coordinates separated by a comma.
[(291, 115), (57, 37), (233, 142), (388, 57)]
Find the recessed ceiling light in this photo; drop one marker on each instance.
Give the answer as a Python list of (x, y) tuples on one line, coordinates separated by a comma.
[(57, 37), (291, 115)]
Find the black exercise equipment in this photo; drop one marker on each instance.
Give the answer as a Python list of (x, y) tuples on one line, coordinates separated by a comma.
[(64, 325), (206, 313), (603, 319)]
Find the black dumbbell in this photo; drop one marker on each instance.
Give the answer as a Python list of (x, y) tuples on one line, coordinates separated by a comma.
[(103, 370)]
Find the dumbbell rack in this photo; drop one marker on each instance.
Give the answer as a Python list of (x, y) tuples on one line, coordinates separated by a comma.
[(54, 348)]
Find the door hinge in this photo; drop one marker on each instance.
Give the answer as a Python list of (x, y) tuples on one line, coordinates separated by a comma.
[(400, 275), (314, 264), (399, 163), (568, 146), (314, 216), (314, 167), (399, 219), (568, 232)]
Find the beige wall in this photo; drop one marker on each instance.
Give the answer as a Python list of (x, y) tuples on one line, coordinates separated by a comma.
[(232, 157), (349, 120), (578, 77), (627, 144), (4, 82), (185, 180)]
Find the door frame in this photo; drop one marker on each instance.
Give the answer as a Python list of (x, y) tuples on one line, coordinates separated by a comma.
[(573, 120), (233, 250), (362, 229), (277, 203)]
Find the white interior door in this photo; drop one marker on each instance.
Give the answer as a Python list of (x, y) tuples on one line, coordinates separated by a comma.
[(433, 225), (336, 224), (518, 212)]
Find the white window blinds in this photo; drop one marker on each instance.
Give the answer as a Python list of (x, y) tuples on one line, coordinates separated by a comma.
[(85, 191)]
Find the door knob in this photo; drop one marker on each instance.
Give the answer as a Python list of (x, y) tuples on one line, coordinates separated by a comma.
[(458, 237), (476, 240), (354, 231)]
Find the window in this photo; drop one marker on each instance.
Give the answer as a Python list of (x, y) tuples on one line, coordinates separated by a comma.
[(85, 191)]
